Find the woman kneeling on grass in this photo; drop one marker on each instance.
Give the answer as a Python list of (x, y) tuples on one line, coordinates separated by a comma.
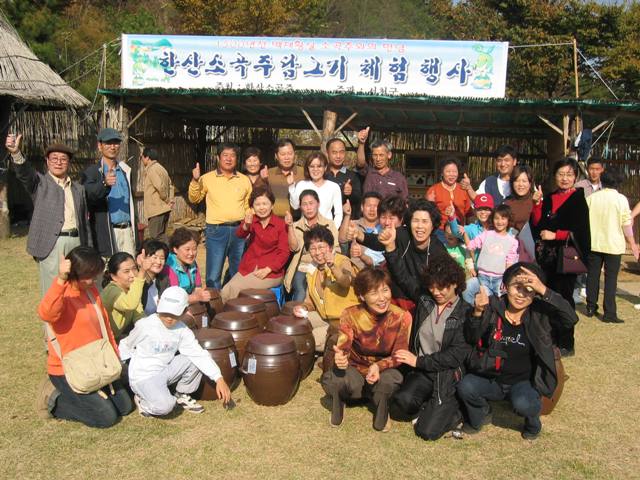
[(513, 352), (371, 333), (72, 307), (438, 351)]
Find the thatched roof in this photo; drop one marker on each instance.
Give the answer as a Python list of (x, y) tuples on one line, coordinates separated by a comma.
[(29, 80)]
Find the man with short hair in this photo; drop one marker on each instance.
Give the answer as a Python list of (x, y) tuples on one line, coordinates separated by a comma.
[(381, 178), (110, 198), (59, 220), (227, 194), (285, 173), (348, 180), (360, 255), (497, 185), (592, 183), (158, 194)]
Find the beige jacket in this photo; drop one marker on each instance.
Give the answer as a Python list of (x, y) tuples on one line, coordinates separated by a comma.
[(158, 190)]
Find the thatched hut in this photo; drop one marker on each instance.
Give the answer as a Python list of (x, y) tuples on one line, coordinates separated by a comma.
[(26, 84)]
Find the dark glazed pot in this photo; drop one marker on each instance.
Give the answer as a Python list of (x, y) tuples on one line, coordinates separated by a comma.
[(249, 305), (215, 304), (222, 350), (287, 308), (241, 326), (266, 296), (197, 310), (271, 369), (301, 331)]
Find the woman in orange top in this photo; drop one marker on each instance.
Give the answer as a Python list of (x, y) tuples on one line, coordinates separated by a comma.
[(452, 200), (68, 309)]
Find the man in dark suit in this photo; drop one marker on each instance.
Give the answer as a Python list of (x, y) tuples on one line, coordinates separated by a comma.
[(59, 222)]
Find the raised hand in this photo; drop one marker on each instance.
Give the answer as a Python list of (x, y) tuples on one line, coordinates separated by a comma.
[(346, 208), (195, 173), (431, 196), (290, 178), (531, 281), (450, 211), (347, 188), (363, 134), (248, 217), (144, 263), (356, 250), (352, 230), (341, 359), (13, 142), (64, 268), (264, 172), (288, 219), (465, 183), (387, 237), (537, 194), (110, 178), (481, 300)]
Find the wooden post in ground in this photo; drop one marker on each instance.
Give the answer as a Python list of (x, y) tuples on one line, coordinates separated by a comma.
[(5, 222), (329, 119)]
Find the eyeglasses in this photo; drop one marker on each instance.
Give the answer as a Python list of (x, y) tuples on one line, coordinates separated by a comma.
[(60, 160)]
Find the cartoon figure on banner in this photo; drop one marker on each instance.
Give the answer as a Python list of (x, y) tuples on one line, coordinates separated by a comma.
[(483, 68), (146, 64)]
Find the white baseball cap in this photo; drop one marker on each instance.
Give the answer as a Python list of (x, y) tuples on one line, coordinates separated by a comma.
[(174, 300)]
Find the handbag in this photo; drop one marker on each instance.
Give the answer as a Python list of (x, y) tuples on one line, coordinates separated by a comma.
[(570, 258), (549, 403), (488, 359), (92, 366)]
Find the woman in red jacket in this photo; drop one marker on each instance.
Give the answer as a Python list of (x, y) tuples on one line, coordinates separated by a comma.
[(68, 309), (262, 265)]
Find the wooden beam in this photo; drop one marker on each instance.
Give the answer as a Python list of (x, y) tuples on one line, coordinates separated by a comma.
[(600, 125), (138, 115), (565, 133), (346, 122), (313, 125), (550, 124)]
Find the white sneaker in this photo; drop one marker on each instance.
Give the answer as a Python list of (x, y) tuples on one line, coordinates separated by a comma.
[(188, 403), (583, 292), (136, 400), (637, 306)]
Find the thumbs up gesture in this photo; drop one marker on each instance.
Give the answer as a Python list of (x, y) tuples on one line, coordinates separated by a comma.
[(431, 195), (288, 219), (363, 134), (12, 144), (537, 194), (110, 177), (248, 216), (465, 183), (340, 359), (450, 211), (481, 301), (346, 208), (388, 238), (264, 172), (347, 188), (352, 230), (64, 268), (195, 173)]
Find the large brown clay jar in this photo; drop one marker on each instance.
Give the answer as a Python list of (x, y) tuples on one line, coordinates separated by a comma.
[(249, 305), (222, 350), (197, 311), (271, 369), (266, 296), (215, 305), (241, 326), (301, 331)]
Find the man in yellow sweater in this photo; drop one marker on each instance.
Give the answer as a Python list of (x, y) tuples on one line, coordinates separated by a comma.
[(227, 200)]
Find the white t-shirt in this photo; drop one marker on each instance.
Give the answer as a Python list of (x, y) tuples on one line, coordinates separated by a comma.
[(329, 194), (503, 187), (151, 346)]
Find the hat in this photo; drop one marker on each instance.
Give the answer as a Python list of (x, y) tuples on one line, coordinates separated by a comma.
[(108, 134), (174, 300), (483, 200), (58, 147)]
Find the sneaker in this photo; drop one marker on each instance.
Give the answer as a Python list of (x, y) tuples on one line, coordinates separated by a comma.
[(567, 352), (188, 403), (615, 319), (637, 306), (136, 400), (591, 311), (337, 411), (527, 435), (46, 398)]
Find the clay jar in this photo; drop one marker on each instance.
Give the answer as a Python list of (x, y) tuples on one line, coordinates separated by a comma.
[(222, 350), (197, 310), (266, 296), (249, 305), (271, 369), (287, 308), (215, 305), (241, 326), (300, 330)]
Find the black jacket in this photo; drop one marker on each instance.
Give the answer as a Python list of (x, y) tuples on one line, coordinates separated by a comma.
[(445, 366), (536, 325), (406, 262), (97, 192)]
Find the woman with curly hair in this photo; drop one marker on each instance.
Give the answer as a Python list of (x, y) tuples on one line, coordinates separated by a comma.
[(437, 349)]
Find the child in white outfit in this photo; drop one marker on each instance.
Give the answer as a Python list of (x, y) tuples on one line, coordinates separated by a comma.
[(154, 366)]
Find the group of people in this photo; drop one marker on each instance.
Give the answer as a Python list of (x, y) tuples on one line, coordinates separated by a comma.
[(433, 307)]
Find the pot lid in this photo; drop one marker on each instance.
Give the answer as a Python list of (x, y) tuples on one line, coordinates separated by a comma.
[(245, 304), (289, 325), (262, 294), (211, 339), (234, 321), (270, 344)]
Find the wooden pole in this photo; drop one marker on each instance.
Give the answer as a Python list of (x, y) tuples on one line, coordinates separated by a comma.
[(5, 223), (575, 66), (104, 84), (329, 119)]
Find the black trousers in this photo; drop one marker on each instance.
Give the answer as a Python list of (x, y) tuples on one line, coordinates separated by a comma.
[(611, 269), (564, 284), (436, 414)]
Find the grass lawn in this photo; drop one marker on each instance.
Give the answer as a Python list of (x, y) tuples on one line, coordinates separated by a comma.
[(593, 433)]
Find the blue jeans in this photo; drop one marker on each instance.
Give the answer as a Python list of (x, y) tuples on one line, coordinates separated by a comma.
[(473, 287), (299, 287), (492, 283), (222, 243), (476, 392)]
